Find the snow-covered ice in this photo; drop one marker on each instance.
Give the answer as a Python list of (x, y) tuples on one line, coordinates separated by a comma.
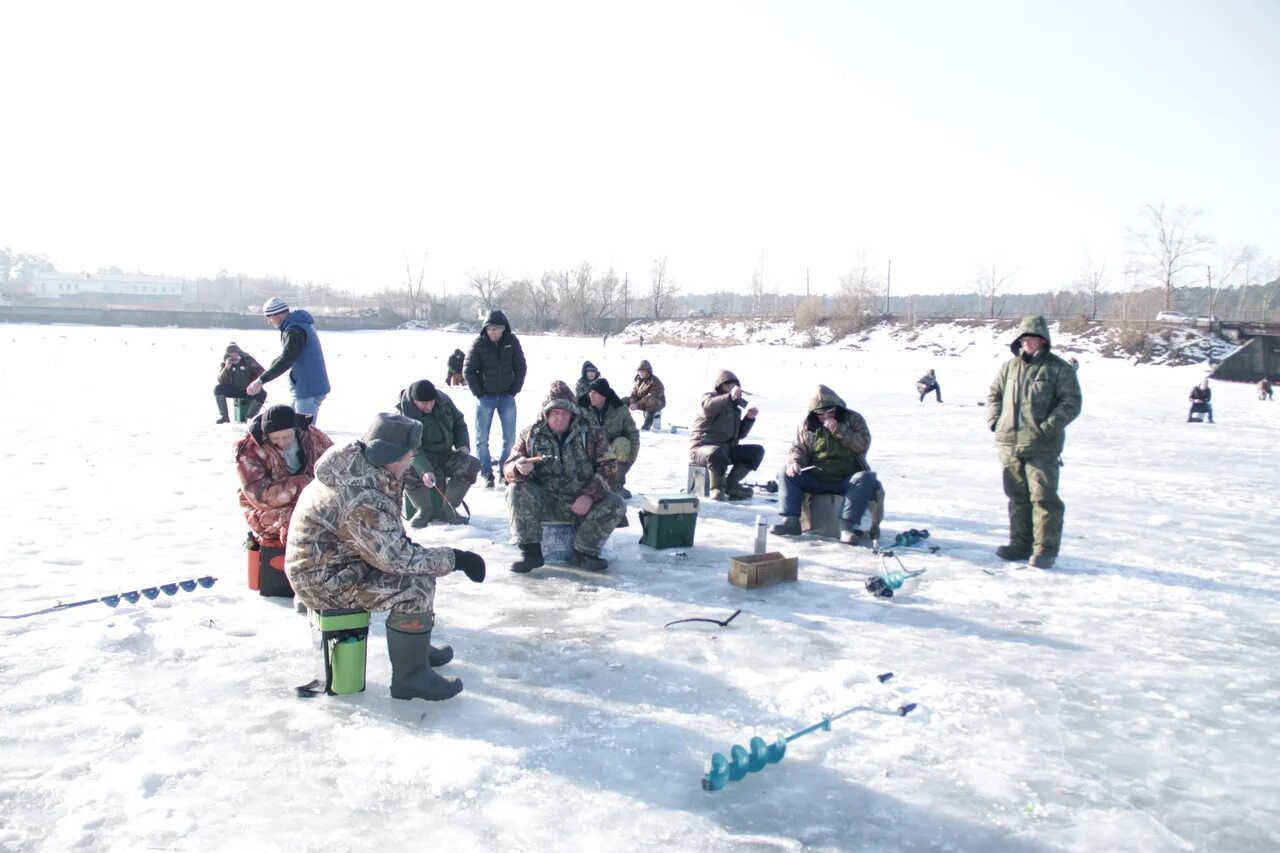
[(1125, 700)]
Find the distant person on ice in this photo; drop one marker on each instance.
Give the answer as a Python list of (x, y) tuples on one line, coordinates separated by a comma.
[(927, 383), (443, 460), (348, 549), (1033, 398), (302, 357), (648, 394), (238, 370), (454, 376), (275, 460), (1200, 397), (715, 439), (495, 370), (560, 470), (1264, 389), (828, 457)]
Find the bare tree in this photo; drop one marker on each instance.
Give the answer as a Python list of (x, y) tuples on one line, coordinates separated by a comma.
[(606, 296), (662, 288), (542, 299), (417, 298), (1091, 281), (487, 289), (1168, 246), (990, 280)]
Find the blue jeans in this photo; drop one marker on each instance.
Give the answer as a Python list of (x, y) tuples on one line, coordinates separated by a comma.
[(857, 490), (309, 406), (506, 406)]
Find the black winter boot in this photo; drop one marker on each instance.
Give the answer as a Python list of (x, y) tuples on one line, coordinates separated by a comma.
[(224, 417), (530, 559), (254, 408), (590, 562), (409, 647)]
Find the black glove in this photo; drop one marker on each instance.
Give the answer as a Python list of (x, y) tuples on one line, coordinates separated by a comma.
[(471, 564)]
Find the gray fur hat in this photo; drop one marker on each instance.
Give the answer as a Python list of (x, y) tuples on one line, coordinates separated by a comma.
[(390, 437)]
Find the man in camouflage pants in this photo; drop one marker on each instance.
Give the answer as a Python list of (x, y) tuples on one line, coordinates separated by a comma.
[(1034, 396), (559, 470), (347, 549)]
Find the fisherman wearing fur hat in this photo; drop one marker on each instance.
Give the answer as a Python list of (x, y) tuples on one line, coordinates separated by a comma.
[(1033, 398), (347, 549), (560, 470)]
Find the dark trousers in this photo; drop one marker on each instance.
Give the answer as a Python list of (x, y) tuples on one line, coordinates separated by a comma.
[(1202, 407), (221, 390), (925, 388), (720, 458), (858, 491)]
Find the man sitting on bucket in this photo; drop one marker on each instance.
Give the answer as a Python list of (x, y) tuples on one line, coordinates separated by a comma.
[(347, 549), (443, 464), (560, 470), (828, 457)]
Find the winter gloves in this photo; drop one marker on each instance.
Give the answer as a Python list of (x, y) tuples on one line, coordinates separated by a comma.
[(471, 564)]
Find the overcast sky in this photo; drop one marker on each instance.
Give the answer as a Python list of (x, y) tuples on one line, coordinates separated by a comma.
[(321, 141)]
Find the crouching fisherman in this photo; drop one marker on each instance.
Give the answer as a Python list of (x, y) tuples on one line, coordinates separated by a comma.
[(276, 459), (347, 549)]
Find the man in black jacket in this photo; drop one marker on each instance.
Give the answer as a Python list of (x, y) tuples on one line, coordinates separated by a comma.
[(494, 370)]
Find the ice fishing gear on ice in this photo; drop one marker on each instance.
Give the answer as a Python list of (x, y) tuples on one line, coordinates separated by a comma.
[(771, 486), (150, 593), (909, 539), (760, 754), (890, 580), (722, 624)]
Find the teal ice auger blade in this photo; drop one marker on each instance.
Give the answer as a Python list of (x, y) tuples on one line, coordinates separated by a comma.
[(151, 593), (760, 754)]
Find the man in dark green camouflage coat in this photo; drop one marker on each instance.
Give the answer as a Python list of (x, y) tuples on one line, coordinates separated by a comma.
[(443, 464), (347, 549), (559, 470), (1034, 396)]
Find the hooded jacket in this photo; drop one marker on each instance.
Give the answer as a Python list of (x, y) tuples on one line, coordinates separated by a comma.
[(443, 429), (347, 523), (240, 373), (580, 387), (453, 368), (575, 464), (1033, 398), (837, 455), (618, 425), (719, 421), (268, 491), (495, 369), (648, 395)]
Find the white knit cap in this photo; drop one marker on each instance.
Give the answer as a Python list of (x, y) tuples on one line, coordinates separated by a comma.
[(274, 305)]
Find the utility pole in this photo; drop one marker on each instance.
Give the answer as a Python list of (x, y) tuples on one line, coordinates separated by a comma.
[(806, 282), (625, 312), (1209, 273), (888, 283)]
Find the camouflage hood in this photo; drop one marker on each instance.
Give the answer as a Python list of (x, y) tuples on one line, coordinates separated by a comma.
[(1035, 325), (557, 403), (559, 390), (346, 468)]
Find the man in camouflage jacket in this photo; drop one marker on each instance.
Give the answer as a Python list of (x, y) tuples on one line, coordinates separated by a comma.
[(275, 460), (602, 406), (348, 549), (569, 481), (828, 457), (1033, 398), (443, 460), (648, 394)]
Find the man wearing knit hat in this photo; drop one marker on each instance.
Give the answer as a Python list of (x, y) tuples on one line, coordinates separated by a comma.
[(559, 470), (602, 406), (276, 459), (443, 464), (301, 356), (347, 549)]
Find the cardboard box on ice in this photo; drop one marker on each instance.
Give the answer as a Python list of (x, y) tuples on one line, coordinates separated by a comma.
[(752, 570)]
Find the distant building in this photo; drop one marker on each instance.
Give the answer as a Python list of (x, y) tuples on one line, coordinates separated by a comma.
[(112, 287)]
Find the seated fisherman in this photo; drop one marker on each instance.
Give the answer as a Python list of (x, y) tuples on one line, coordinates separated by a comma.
[(828, 457), (602, 406), (648, 394), (559, 470), (444, 459), (715, 436), (237, 371), (1200, 397), (348, 549), (276, 459)]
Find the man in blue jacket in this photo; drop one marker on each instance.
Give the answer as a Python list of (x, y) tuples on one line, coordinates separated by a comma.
[(302, 357), (494, 370)]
